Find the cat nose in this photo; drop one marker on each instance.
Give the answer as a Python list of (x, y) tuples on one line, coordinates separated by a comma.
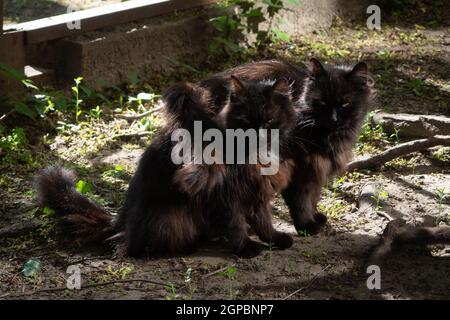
[(334, 116)]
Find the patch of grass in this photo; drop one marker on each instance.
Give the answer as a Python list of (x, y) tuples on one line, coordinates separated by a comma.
[(441, 154), (402, 163), (371, 138), (416, 86), (334, 208), (312, 256), (117, 273), (14, 148)]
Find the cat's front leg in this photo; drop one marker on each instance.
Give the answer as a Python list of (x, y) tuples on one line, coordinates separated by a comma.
[(301, 196), (261, 222), (240, 242)]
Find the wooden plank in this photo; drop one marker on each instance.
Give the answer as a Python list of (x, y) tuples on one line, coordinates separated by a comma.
[(57, 26), (1, 16), (12, 54)]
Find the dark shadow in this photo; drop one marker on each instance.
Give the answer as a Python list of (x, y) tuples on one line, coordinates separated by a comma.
[(17, 11)]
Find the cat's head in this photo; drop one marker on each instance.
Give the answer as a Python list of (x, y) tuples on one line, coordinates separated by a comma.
[(257, 105), (336, 98)]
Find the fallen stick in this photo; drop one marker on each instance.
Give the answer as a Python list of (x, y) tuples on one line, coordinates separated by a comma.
[(92, 285), (309, 284), (139, 134), (140, 115), (19, 228), (400, 150)]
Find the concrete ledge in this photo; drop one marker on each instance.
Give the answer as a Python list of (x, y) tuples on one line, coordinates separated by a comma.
[(147, 46)]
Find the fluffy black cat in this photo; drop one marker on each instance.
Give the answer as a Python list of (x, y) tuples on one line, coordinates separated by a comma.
[(330, 105), (170, 208)]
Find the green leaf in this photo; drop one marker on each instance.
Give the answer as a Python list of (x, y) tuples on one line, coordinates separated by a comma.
[(119, 168), (83, 187), (12, 73), (220, 23), (29, 84), (254, 13), (280, 35), (87, 91), (294, 2), (78, 80), (48, 212), (22, 108), (231, 271), (228, 43)]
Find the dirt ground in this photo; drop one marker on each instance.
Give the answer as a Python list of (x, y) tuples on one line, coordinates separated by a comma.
[(410, 60)]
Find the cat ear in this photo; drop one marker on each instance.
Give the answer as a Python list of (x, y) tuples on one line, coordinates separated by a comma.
[(360, 70), (315, 67), (281, 86), (236, 85)]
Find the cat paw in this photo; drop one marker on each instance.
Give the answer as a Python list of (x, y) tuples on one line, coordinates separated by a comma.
[(283, 241), (250, 250), (320, 218), (312, 227)]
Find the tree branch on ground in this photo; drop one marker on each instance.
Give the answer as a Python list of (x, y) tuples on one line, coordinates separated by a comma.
[(19, 228), (131, 117), (400, 150)]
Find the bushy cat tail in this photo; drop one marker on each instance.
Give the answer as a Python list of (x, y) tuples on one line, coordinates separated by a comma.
[(81, 218), (186, 103)]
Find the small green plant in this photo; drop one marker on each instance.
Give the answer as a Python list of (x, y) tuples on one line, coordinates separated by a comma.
[(381, 196), (312, 256), (83, 187), (270, 248), (188, 282), (230, 275), (394, 136), (96, 112), (117, 273), (441, 195), (171, 291), (371, 133), (415, 85), (78, 101), (247, 15), (303, 233), (48, 212), (14, 148)]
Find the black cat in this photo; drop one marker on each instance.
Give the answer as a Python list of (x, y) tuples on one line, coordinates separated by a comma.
[(331, 103), (171, 207)]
